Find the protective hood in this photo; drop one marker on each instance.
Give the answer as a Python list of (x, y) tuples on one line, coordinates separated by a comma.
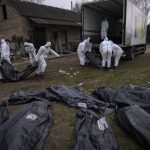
[(88, 40), (26, 44), (106, 39), (48, 44), (3, 41)]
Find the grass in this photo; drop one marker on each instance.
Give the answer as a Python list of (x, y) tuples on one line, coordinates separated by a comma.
[(62, 132)]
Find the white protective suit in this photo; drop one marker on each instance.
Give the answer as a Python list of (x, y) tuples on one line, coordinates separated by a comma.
[(30, 49), (84, 47), (5, 51), (42, 55), (0, 54), (104, 28), (117, 53), (106, 52)]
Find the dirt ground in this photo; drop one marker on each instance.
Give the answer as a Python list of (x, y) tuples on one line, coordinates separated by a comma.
[(62, 132)]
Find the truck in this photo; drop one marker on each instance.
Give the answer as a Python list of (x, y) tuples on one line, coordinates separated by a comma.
[(127, 24)]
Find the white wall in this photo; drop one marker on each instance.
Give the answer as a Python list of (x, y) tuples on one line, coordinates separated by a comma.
[(62, 3), (66, 4)]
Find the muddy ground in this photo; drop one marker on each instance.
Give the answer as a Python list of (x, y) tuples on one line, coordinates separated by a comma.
[(62, 132)]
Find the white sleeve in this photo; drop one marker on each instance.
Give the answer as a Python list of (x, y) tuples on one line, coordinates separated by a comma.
[(3, 49), (39, 52), (84, 48), (100, 48), (54, 53), (91, 45)]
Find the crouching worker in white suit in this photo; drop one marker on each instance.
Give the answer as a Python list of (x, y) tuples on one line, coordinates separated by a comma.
[(41, 57), (117, 53), (29, 48), (106, 52), (84, 47), (5, 51)]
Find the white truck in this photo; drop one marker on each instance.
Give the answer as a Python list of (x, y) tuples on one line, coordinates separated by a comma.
[(127, 24)]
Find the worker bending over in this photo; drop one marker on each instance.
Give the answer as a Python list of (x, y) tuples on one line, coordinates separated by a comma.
[(41, 57), (5, 51), (29, 48), (117, 53), (106, 52), (85, 46)]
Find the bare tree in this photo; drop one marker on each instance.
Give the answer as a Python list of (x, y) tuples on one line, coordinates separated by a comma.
[(77, 6)]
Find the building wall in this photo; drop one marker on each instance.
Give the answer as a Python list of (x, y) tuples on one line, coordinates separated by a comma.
[(74, 37), (11, 25), (21, 27), (72, 33)]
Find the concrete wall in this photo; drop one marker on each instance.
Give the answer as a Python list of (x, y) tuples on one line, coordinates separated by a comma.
[(12, 25), (72, 33), (20, 26)]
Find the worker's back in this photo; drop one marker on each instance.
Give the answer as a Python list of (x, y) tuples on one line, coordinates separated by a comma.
[(106, 46)]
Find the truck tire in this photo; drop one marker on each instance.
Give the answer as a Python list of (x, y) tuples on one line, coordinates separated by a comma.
[(130, 53), (143, 52)]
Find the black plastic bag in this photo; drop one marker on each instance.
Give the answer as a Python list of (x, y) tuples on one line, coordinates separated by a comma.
[(141, 92), (93, 133), (137, 122), (75, 98), (125, 96), (105, 94), (4, 114), (95, 61), (21, 97), (11, 75), (28, 130), (72, 96), (130, 97)]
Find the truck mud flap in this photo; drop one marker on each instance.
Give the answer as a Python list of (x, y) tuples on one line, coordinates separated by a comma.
[(93, 133), (11, 75), (28, 130), (136, 121)]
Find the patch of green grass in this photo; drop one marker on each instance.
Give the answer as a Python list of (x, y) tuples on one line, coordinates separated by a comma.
[(62, 132)]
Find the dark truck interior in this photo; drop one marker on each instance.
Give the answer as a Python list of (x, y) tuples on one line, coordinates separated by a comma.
[(113, 11)]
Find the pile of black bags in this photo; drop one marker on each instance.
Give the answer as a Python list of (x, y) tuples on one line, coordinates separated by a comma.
[(131, 104), (9, 73)]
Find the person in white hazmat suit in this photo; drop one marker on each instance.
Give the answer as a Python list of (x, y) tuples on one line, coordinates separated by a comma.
[(0, 63), (117, 53), (85, 46), (106, 52), (41, 57), (30, 49), (104, 28), (5, 51)]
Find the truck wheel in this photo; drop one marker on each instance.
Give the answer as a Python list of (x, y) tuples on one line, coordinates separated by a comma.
[(131, 53), (144, 49)]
